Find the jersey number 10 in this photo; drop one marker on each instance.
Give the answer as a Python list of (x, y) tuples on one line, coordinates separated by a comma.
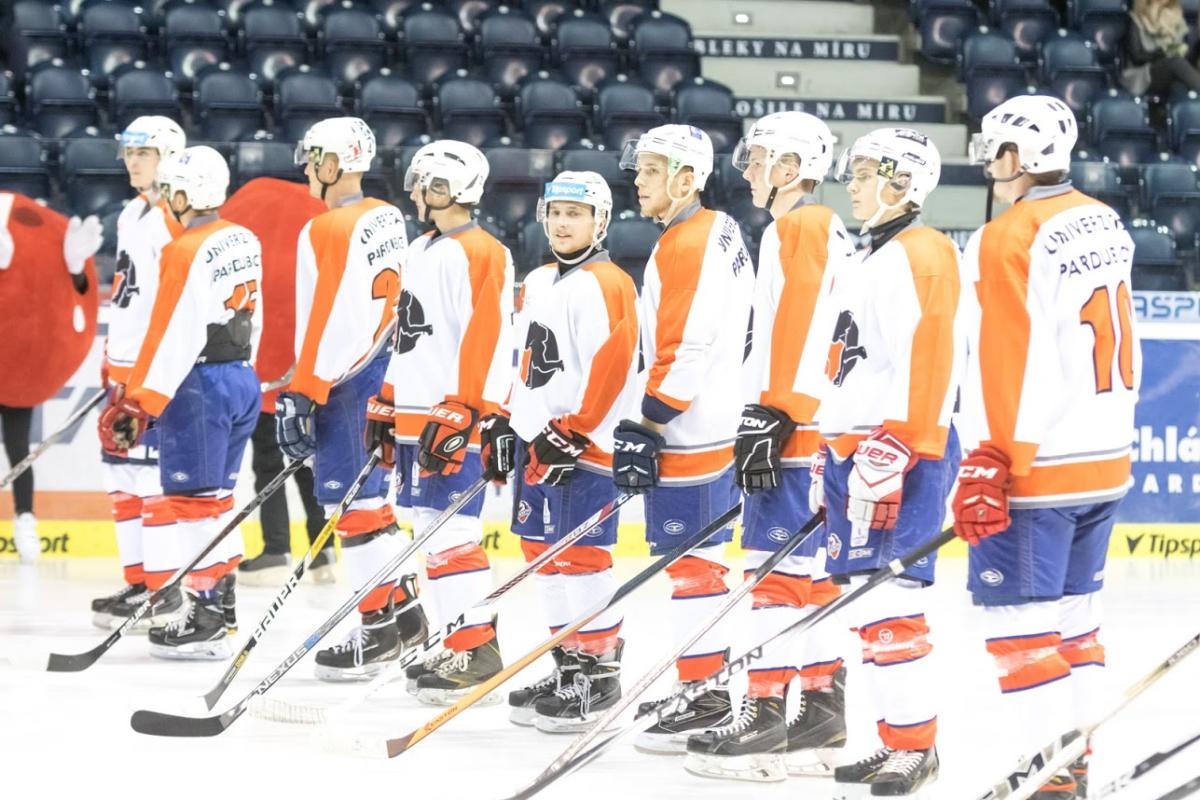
[(1097, 312)]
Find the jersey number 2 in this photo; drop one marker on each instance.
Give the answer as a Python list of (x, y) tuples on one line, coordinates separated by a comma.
[(1097, 313), (386, 287), (244, 297)]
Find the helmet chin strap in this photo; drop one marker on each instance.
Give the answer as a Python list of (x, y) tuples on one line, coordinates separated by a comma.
[(882, 208), (775, 190), (325, 186), (430, 207), (991, 189), (676, 203)]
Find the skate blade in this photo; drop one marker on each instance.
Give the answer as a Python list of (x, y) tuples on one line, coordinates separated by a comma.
[(199, 651), (110, 622), (324, 575), (757, 768), (557, 725), (663, 744), (448, 697), (271, 576), (862, 791), (523, 716), (410, 686), (348, 674), (817, 763)]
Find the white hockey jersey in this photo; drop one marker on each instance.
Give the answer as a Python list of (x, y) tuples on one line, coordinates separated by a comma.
[(578, 362), (454, 338), (144, 228), (798, 259), (1055, 358), (210, 273), (347, 280), (897, 347), (695, 316)]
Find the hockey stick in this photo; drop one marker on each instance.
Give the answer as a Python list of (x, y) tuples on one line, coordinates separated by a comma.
[(575, 756), (303, 714), (214, 694), (604, 721), (1117, 785), (395, 747), (81, 661), (280, 382), (1033, 771), (156, 723), (1186, 790), (44, 445)]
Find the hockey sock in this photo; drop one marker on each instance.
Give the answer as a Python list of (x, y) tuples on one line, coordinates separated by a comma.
[(368, 542), (458, 578), (698, 583), (232, 547), (127, 516), (779, 600), (198, 519), (824, 645), (160, 541), (1081, 647), (550, 589), (586, 573)]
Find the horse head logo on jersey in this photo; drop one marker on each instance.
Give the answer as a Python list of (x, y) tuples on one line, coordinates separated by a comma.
[(540, 360), (844, 350), (124, 285), (411, 324)]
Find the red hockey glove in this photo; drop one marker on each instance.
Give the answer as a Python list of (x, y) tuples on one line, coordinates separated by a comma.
[(553, 453), (877, 481), (981, 501), (122, 423), (444, 439), (381, 429)]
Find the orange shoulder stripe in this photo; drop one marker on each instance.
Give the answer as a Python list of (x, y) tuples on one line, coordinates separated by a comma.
[(486, 265)]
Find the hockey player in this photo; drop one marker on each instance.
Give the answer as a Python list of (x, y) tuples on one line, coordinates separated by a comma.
[(894, 360), (347, 278), (451, 367), (695, 312), (193, 373), (577, 320), (784, 157), (1048, 414), (146, 536)]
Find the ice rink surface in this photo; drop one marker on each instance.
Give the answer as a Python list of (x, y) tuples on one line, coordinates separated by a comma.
[(68, 735)]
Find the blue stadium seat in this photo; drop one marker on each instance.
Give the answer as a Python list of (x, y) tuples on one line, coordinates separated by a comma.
[(1191, 10), (1184, 128), (1156, 265), (1102, 180), (1120, 130), (469, 13), (943, 23), (266, 160), (392, 107), (59, 99), (303, 98), (8, 99), (352, 42), (533, 249), (233, 10), (1171, 195), (546, 13), (630, 242), (92, 177), (624, 110), (661, 48), (1028, 22), (709, 105), (606, 164), (391, 13), (42, 29), (621, 13), (990, 68), (509, 48), (272, 37), (137, 90), (1102, 22), (515, 182), (584, 49), (726, 186), (23, 167), (111, 34), (313, 11), (433, 44), (193, 36), (1068, 68), (551, 115), (377, 182), (228, 105), (753, 221), (468, 109)]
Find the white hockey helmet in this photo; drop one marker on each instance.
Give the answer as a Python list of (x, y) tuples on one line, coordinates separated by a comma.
[(802, 135), (200, 173), (579, 187), (161, 133), (907, 160), (682, 146), (1042, 128), (462, 167), (349, 138)]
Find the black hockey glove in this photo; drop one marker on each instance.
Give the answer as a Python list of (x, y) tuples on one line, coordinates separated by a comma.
[(295, 425), (635, 457), (497, 447), (758, 450)]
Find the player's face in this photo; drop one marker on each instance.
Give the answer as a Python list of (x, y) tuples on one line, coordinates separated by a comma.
[(863, 189), (753, 175), (142, 165), (436, 196), (570, 226), (651, 184)]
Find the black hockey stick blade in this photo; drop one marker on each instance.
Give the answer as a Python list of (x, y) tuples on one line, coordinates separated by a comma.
[(1186, 790), (156, 723), (1144, 766)]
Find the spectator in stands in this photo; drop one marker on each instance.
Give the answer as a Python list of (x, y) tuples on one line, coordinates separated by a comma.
[(1157, 49)]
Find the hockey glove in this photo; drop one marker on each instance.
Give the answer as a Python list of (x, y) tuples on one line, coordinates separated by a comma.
[(381, 429), (877, 481), (553, 453), (122, 424), (757, 452), (981, 501), (635, 457), (497, 447), (443, 442), (816, 484), (295, 425)]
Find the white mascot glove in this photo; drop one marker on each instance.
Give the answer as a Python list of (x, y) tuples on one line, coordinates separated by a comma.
[(877, 483), (816, 483), (6, 248), (83, 239)]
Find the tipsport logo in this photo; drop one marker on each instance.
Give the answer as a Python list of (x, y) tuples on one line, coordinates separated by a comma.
[(59, 545), (1163, 545)]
